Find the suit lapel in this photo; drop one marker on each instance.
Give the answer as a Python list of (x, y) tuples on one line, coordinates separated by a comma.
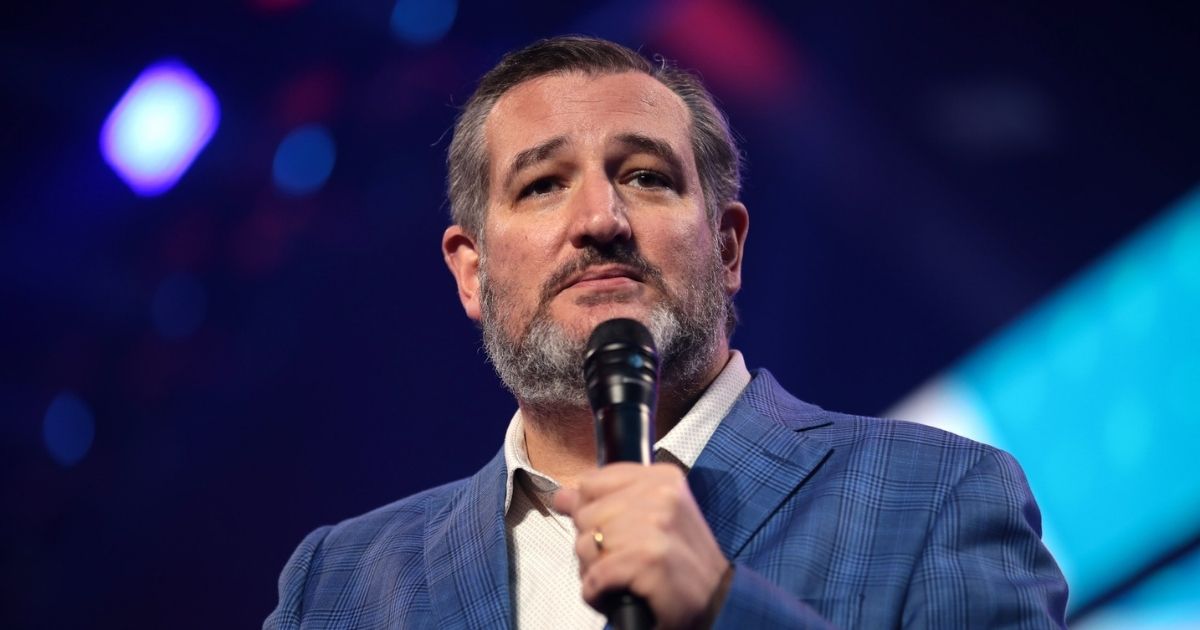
[(466, 554), (755, 460)]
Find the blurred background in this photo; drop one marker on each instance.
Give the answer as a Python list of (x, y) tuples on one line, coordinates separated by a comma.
[(226, 320)]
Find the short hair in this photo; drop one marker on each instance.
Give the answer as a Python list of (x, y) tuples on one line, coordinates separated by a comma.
[(716, 154)]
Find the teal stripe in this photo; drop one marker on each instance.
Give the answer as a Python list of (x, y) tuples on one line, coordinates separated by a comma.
[(1096, 391)]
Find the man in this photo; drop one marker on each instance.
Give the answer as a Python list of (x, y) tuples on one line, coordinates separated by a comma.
[(588, 184)]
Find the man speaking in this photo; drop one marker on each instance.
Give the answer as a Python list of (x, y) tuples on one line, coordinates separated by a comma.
[(588, 184)]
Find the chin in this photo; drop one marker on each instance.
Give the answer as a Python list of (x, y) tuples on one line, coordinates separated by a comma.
[(583, 318)]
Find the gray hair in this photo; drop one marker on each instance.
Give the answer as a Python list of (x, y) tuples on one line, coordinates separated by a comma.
[(717, 158)]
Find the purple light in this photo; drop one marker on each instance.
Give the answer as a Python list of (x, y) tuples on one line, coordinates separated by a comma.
[(159, 127)]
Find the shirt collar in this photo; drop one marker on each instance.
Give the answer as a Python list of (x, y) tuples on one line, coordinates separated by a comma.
[(682, 444), (687, 438)]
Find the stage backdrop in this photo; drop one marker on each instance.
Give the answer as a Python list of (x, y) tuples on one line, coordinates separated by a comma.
[(226, 320)]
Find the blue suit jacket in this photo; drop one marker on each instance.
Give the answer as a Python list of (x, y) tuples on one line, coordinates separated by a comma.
[(828, 519)]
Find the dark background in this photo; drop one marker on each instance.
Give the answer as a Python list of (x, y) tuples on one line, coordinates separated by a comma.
[(918, 175)]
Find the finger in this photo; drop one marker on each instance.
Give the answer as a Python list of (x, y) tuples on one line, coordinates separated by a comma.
[(628, 569), (616, 537), (653, 497), (589, 545), (644, 503), (609, 478), (566, 501)]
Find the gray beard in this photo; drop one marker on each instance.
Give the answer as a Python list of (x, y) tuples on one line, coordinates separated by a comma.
[(543, 366)]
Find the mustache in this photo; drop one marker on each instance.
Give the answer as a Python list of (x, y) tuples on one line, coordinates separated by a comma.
[(618, 253)]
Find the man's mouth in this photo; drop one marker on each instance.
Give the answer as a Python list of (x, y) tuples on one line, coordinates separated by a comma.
[(603, 277)]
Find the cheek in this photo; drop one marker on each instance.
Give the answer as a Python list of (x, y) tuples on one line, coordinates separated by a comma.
[(518, 261), (521, 240), (683, 247)]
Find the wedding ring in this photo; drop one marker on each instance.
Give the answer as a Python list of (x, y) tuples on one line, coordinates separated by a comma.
[(598, 538)]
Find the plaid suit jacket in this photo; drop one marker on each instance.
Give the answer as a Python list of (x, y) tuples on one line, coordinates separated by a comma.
[(830, 520)]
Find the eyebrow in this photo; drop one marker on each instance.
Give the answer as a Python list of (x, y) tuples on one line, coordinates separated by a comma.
[(652, 146), (539, 153), (637, 142)]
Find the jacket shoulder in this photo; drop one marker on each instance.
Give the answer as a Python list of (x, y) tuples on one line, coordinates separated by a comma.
[(847, 429), (398, 523), (873, 441), (903, 458), (364, 570)]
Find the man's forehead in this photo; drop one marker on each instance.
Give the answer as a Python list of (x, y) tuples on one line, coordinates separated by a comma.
[(578, 104), (562, 89)]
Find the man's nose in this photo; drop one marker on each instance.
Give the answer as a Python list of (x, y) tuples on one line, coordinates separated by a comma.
[(599, 214)]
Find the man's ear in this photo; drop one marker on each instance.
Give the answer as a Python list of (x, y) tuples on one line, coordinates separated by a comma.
[(731, 236), (461, 253)]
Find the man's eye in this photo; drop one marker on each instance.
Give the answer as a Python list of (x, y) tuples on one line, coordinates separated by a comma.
[(543, 186), (650, 179)]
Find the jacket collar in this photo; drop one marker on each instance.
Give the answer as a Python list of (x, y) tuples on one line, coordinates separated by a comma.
[(466, 553), (755, 460)]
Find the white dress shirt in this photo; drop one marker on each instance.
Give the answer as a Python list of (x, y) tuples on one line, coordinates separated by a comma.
[(543, 569)]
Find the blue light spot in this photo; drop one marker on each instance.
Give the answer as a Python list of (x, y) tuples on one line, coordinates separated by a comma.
[(304, 160), (159, 126), (423, 22), (179, 306), (68, 429)]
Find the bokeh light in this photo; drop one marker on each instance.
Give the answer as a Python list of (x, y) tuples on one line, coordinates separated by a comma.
[(1094, 392), (159, 126), (423, 22), (179, 306), (68, 429), (304, 160)]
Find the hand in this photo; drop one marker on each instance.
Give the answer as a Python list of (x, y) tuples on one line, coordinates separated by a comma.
[(656, 543)]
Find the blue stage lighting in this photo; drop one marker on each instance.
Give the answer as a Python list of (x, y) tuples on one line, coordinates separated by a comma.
[(304, 160), (159, 127), (423, 22), (68, 429), (1095, 391)]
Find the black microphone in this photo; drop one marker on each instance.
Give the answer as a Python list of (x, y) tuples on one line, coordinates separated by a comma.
[(621, 372)]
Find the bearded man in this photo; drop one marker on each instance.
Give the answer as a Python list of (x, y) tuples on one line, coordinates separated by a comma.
[(587, 184)]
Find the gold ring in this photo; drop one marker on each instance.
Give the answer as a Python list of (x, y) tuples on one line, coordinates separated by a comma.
[(598, 538)]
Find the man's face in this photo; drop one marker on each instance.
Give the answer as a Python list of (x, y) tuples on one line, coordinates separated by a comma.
[(595, 211)]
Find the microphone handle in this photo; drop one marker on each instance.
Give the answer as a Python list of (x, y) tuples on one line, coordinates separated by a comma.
[(626, 611), (623, 435)]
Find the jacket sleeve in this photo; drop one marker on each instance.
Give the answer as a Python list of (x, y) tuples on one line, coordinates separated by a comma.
[(984, 564), (293, 582), (755, 602)]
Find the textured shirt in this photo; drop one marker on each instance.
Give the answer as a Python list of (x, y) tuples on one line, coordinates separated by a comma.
[(543, 569)]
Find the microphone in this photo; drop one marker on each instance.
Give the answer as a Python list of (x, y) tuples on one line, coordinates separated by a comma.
[(620, 368)]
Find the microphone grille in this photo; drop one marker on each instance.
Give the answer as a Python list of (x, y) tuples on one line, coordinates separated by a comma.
[(620, 332)]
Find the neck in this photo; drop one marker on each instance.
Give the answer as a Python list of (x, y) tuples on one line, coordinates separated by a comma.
[(561, 440)]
